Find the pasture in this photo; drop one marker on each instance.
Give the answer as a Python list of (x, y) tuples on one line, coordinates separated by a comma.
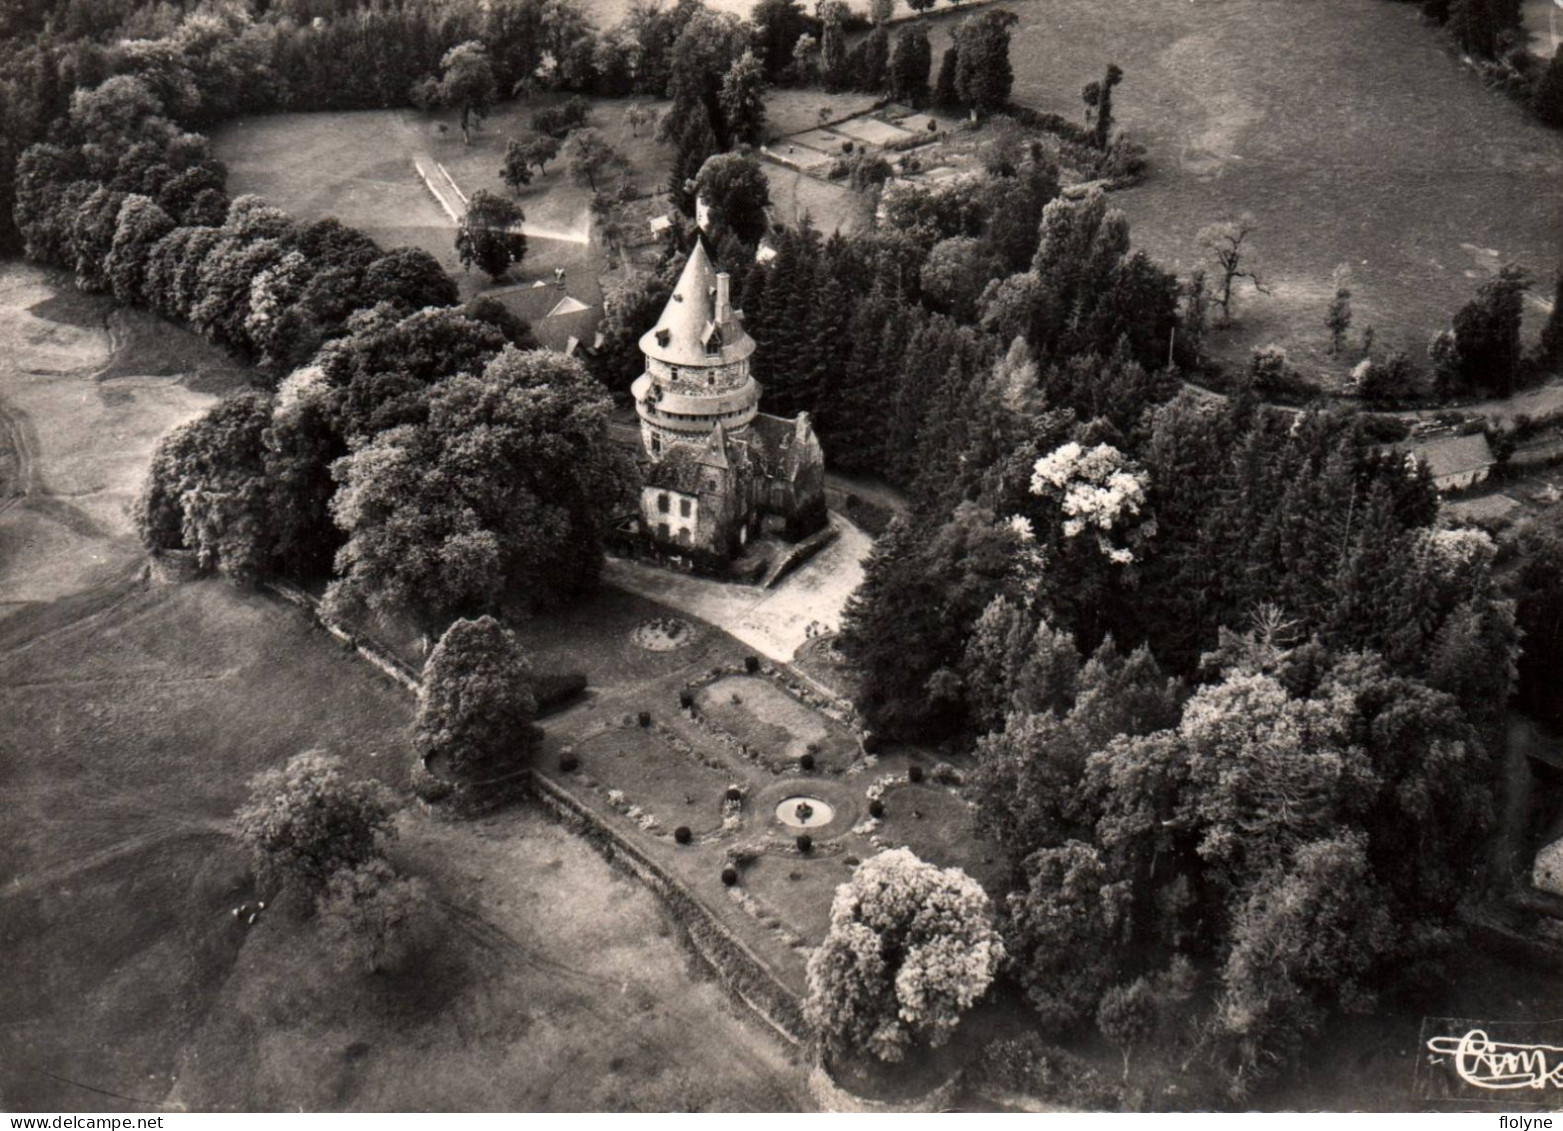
[(1345, 127)]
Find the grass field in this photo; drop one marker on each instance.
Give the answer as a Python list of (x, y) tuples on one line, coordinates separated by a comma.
[(135, 714), (361, 167), (1346, 129)]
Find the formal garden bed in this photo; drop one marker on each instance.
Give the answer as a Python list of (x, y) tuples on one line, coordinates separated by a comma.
[(821, 660), (648, 775), (772, 724)]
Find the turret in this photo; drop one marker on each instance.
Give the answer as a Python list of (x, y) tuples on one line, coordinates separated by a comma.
[(697, 362)]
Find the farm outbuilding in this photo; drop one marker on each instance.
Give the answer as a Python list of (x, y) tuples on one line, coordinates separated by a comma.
[(1456, 462)]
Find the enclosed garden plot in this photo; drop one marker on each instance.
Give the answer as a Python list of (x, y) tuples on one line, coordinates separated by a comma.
[(652, 776), (776, 728)]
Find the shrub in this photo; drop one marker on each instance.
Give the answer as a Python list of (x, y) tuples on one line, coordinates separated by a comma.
[(568, 762), (556, 688), (870, 742), (729, 875), (1274, 377), (806, 762), (914, 773), (1390, 382), (876, 809), (644, 718), (476, 703), (682, 834), (946, 774), (805, 843), (751, 664), (734, 793), (1026, 1064), (686, 700)]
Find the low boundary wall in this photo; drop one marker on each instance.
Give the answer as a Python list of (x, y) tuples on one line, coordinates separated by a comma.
[(388, 664), (740, 971)]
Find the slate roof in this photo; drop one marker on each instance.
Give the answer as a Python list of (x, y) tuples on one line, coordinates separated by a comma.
[(679, 469), (1455, 455), (689, 319), (775, 443)]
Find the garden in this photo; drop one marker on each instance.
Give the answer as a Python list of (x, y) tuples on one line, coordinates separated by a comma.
[(773, 726)]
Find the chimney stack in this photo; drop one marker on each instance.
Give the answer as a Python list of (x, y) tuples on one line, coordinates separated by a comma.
[(724, 301)]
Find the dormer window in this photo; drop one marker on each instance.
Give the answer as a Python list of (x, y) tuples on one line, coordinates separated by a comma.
[(664, 336)]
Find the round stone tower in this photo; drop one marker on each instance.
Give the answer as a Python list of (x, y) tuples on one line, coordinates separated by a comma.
[(697, 363)]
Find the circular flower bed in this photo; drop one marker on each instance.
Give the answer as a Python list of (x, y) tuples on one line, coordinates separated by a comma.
[(664, 634)]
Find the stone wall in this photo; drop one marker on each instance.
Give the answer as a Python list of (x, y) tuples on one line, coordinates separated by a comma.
[(742, 973), (388, 664), (831, 1096)]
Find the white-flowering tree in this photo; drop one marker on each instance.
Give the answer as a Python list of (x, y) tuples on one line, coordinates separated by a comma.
[(911, 947), (1099, 490)]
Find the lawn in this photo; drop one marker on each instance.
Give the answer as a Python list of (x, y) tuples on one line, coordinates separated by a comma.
[(1344, 127), (777, 728), (135, 714), (362, 168), (936, 824), (668, 784)]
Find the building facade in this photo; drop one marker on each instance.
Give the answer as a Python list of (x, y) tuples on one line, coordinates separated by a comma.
[(721, 471)]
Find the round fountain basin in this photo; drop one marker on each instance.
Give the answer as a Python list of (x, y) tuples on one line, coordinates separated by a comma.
[(805, 813)]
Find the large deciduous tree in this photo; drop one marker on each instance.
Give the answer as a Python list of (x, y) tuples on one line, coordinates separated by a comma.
[(1227, 245), (911, 61), (476, 704), (737, 193), (777, 26), (372, 918), (983, 75), (742, 99), (410, 279), (207, 490), (490, 234), (588, 156), (1487, 335), (307, 820), (910, 948), (467, 83), (503, 489)]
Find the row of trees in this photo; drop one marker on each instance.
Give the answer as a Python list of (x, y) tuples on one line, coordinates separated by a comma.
[(135, 206), (1218, 660), (321, 470)]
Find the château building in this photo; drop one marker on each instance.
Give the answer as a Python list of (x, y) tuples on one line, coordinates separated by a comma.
[(721, 470)]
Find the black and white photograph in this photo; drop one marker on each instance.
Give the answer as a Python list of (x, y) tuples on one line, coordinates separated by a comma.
[(780, 556)]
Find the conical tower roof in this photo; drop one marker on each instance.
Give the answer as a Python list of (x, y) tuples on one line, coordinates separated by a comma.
[(681, 334)]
